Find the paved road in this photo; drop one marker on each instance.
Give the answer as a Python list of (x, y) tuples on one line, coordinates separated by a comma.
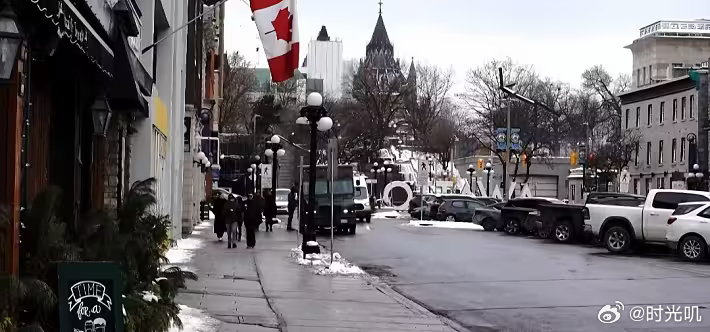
[(493, 282)]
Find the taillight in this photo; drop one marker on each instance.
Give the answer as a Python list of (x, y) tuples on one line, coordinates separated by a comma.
[(671, 220)]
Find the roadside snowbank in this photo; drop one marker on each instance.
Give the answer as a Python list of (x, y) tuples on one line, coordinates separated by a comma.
[(388, 214), (322, 263), (444, 224), (194, 320)]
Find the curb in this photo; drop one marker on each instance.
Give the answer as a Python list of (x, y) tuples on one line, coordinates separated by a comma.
[(410, 304)]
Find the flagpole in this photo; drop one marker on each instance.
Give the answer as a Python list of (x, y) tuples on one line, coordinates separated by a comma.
[(218, 4)]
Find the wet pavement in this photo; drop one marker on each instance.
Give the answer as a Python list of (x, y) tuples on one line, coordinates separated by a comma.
[(493, 282), (264, 289)]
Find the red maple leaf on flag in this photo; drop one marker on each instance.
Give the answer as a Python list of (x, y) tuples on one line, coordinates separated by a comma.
[(283, 25)]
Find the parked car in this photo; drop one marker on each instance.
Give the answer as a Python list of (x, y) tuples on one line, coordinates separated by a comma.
[(622, 226), (363, 211), (456, 209), (688, 230), (488, 216), (282, 200), (416, 201), (521, 214), (421, 212), (562, 222), (440, 199)]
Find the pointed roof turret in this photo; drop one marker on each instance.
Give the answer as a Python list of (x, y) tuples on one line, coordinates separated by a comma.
[(412, 73), (380, 41), (323, 34)]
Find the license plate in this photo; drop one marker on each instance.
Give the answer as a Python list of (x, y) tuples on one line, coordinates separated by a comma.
[(343, 221)]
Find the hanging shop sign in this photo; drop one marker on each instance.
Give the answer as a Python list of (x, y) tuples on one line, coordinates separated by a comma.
[(90, 297), (73, 27)]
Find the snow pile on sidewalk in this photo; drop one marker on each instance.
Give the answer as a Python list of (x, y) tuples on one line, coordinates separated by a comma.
[(323, 265), (387, 214), (184, 250), (444, 224), (194, 320)]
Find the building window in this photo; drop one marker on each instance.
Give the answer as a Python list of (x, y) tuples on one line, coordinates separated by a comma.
[(644, 76), (648, 185), (682, 149), (572, 192), (638, 77), (627, 118), (682, 108), (659, 183), (636, 187), (692, 107), (638, 117), (649, 114), (660, 152), (636, 156), (677, 65), (650, 74), (648, 153), (674, 148), (675, 109), (662, 113)]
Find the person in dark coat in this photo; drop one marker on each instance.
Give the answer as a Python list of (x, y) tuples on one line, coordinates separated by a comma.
[(292, 206), (217, 206), (253, 218), (270, 211), (232, 214)]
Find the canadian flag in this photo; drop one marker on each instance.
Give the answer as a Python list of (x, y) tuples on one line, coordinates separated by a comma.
[(278, 27)]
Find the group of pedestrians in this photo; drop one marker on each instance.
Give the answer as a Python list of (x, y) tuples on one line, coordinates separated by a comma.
[(231, 213)]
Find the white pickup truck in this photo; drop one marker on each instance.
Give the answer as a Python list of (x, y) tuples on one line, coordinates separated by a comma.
[(621, 226)]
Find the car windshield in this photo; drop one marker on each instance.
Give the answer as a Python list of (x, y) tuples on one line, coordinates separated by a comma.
[(282, 195), (361, 193), (342, 187)]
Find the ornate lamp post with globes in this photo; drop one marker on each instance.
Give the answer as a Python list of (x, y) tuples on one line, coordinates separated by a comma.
[(315, 116), (488, 171), (274, 151), (471, 173)]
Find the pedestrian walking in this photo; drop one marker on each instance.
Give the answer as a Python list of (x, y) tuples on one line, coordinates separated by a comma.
[(292, 206), (269, 211), (252, 219), (218, 202), (232, 214)]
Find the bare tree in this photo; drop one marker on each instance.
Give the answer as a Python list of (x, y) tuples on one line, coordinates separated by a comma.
[(606, 88), (239, 81), (541, 128), (380, 98), (432, 98)]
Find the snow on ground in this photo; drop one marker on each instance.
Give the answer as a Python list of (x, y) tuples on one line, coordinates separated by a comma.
[(387, 214), (322, 265), (184, 250), (194, 320), (445, 224)]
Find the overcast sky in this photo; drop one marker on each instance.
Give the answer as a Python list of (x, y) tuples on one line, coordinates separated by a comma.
[(560, 38)]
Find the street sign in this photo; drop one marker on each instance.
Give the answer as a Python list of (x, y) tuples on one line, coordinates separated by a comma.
[(423, 172), (624, 180), (266, 175), (332, 158), (371, 181)]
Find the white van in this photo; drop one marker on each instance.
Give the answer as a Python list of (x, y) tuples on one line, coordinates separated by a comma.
[(363, 211)]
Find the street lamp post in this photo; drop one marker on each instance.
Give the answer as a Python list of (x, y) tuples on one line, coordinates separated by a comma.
[(431, 171), (375, 170), (274, 151), (488, 171), (387, 170), (316, 116), (471, 173)]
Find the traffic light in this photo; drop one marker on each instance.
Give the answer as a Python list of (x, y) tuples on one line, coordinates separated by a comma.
[(573, 158), (480, 163)]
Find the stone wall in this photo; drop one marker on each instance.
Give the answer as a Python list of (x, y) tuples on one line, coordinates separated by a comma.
[(117, 164)]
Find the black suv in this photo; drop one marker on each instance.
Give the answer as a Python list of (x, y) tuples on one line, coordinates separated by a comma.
[(457, 209)]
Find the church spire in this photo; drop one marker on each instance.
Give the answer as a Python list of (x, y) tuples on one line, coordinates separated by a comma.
[(380, 40)]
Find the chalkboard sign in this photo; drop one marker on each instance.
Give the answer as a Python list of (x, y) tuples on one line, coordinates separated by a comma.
[(90, 298)]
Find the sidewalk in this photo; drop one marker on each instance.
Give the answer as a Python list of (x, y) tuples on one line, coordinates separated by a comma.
[(264, 289)]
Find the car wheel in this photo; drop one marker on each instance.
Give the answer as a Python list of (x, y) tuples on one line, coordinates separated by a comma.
[(450, 217), (488, 224), (692, 248), (512, 227), (564, 232), (617, 240), (368, 219), (353, 229)]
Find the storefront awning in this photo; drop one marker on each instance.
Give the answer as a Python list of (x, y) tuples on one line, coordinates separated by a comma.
[(132, 83), (73, 27)]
